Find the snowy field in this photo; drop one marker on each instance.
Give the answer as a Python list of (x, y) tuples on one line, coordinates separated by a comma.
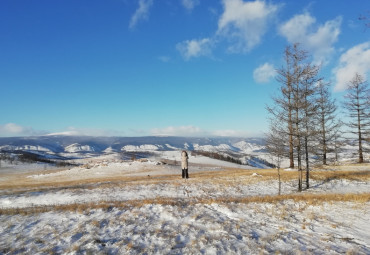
[(110, 206)]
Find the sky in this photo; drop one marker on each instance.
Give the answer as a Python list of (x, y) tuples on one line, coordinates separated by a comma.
[(165, 67)]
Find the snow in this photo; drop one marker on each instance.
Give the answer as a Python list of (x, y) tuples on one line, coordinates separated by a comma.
[(211, 148), (25, 148), (200, 160), (109, 150), (19, 167), (140, 148), (171, 147), (186, 226), (248, 147), (78, 148)]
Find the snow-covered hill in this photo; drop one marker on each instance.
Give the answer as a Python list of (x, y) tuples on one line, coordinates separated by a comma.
[(79, 148), (76, 144), (31, 148)]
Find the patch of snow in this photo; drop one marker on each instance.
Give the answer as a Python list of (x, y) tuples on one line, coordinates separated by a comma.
[(109, 150), (171, 147), (30, 148), (78, 148), (248, 147), (211, 148), (140, 148)]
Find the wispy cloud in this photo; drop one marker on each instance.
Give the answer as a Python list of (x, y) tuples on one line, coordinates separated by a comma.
[(178, 131), (189, 4), (141, 12), (195, 48), (196, 132), (244, 23), (231, 133), (317, 39), (264, 73), (12, 129), (164, 59), (356, 59), (75, 131)]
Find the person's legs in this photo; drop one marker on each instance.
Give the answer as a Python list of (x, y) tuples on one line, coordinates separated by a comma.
[(186, 173), (183, 173)]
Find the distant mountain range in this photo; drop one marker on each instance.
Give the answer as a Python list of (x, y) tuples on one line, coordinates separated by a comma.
[(101, 145)]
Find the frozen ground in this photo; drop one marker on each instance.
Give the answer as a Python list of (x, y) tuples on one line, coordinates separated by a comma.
[(110, 206)]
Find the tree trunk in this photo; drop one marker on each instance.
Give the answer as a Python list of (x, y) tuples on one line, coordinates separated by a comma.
[(307, 164), (324, 146), (279, 181), (291, 145), (300, 174), (360, 156)]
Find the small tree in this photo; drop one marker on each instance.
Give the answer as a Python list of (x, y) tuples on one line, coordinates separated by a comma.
[(338, 142), (357, 105), (276, 146), (328, 125)]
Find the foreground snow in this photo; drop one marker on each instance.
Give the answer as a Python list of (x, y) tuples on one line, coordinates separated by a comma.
[(136, 221), (287, 227)]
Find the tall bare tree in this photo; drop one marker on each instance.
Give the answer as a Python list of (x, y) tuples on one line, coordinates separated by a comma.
[(309, 82), (294, 106), (299, 57), (357, 104), (285, 77)]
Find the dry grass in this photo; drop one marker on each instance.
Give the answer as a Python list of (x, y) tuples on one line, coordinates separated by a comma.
[(308, 199), (227, 178), (19, 183)]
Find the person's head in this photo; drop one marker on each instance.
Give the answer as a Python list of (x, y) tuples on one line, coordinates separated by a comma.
[(184, 151)]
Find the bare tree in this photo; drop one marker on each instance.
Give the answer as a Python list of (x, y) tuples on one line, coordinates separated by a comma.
[(276, 145), (309, 110), (328, 124), (294, 106), (285, 77), (337, 142), (357, 105), (299, 57)]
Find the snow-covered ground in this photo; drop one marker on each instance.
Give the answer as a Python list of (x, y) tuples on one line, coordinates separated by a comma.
[(197, 219)]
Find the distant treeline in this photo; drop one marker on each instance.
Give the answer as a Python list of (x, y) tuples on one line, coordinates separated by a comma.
[(262, 161), (218, 156), (29, 157)]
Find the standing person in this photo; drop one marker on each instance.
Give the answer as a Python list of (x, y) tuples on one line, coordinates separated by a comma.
[(184, 164)]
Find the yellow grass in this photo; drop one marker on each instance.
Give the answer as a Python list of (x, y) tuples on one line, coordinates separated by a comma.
[(13, 183), (313, 199), (18, 183)]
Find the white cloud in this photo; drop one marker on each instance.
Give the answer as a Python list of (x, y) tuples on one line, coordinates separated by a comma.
[(264, 73), (231, 133), (317, 39), (178, 131), (189, 4), (195, 48), (356, 59), (73, 131), (141, 12), (245, 23), (12, 129), (196, 131)]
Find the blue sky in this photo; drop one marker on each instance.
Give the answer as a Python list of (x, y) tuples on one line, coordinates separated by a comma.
[(164, 67)]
